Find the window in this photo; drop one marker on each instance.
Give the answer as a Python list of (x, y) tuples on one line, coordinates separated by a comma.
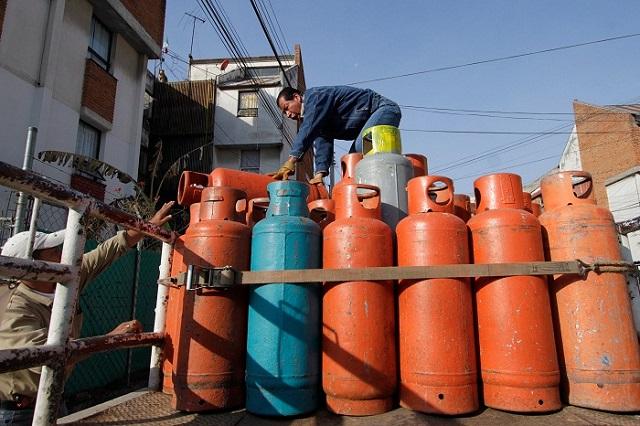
[(248, 104), (88, 140), (100, 43), (250, 160)]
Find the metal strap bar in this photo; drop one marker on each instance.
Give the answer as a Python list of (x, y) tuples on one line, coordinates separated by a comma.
[(409, 272), (36, 270), (155, 367)]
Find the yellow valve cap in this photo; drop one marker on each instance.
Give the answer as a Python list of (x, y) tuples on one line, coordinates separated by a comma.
[(381, 138)]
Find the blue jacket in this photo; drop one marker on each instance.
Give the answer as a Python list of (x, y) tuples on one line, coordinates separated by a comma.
[(334, 112)]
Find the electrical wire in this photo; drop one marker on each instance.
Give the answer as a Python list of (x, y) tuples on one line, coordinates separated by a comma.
[(499, 59)]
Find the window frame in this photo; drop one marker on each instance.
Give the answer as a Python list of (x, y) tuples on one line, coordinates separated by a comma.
[(93, 54), (250, 168), (247, 112), (80, 170)]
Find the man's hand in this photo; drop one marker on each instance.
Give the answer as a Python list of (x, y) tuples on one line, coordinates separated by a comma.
[(133, 326), (161, 217), (317, 178), (288, 168)]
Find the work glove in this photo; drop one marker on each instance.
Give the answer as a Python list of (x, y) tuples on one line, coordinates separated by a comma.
[(288, 168), (317, 178)]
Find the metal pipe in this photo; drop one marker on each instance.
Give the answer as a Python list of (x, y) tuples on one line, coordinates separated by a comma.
[(41, 187), (134, 297), (33, 226), (27, 164), (80, 348), (62, 316), (155, 367), (36, 270), (33, 356)]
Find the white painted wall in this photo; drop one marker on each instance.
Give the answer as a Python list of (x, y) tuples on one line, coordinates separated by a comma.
[(570, 158), (623, 193), (47, 93)]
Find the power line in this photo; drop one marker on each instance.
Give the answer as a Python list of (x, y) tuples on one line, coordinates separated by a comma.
[(268, 36), (503, 58)]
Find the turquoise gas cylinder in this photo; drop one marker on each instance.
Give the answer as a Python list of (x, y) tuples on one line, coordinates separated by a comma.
[(283, 343)]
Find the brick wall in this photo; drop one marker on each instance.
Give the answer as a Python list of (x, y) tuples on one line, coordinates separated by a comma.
[(99, 90), (150, 14), (609, 144), (3, 9)]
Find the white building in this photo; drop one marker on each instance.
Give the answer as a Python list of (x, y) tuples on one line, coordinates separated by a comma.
[(250, 133), (75, 70)]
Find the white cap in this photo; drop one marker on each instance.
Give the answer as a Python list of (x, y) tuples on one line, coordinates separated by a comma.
[(16, 246)]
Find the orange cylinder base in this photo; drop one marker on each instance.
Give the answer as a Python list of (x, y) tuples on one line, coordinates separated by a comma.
[(521, 399), (604, 395), (359, 407), (447, 400), (227, 398)]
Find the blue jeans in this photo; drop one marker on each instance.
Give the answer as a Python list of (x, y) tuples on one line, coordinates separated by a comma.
[(16, 417), (25, 415), (388, 113)]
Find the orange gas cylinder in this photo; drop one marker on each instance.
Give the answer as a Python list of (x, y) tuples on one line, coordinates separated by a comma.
[(174, 303), (519, 365), (462, 206), (436, 345), (190, 187), (253, 184), (322, 212), (358, 333), (526, 200), (598, 347), (419, 163), (317, 191), (256, 211), (348, 166), (536, 209), (208, 361)]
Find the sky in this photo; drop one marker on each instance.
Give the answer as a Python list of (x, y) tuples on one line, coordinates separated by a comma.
[(455, 122)]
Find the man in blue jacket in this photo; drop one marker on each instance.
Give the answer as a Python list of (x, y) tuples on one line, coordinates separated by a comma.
[(328, 113)]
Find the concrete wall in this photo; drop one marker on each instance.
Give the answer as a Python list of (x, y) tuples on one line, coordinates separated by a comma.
[(43, 51)]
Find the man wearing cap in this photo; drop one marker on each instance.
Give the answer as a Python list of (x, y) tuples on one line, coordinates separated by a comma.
[(328, 113), (27, 314)]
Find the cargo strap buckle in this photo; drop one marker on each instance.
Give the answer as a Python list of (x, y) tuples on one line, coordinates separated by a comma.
[(197, 277)]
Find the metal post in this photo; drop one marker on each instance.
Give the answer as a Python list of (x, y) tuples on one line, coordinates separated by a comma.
[(62, 316), (134, 298), (155, 370), (33, 226), (27, 164)]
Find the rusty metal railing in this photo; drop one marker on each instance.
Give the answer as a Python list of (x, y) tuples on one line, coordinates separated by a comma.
[(59, 350)]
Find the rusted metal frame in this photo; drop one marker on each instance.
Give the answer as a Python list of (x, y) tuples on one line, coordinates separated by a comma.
[(62, 316), (35, 270), (155, 363), (28, 357), (80, 348), (43, 188), (33, 226), (628, 226)]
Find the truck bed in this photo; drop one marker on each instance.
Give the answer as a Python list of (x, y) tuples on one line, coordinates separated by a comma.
[(154, 408)]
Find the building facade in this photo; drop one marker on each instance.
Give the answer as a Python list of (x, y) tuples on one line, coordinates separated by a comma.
[(76, 70)]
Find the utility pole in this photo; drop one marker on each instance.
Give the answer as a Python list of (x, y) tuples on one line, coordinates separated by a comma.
[(193, 32)]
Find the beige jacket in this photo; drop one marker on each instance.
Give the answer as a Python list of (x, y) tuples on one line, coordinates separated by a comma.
[(26, 319)]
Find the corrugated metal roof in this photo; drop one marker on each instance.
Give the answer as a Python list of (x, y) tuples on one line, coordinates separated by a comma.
[(183, 108)]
